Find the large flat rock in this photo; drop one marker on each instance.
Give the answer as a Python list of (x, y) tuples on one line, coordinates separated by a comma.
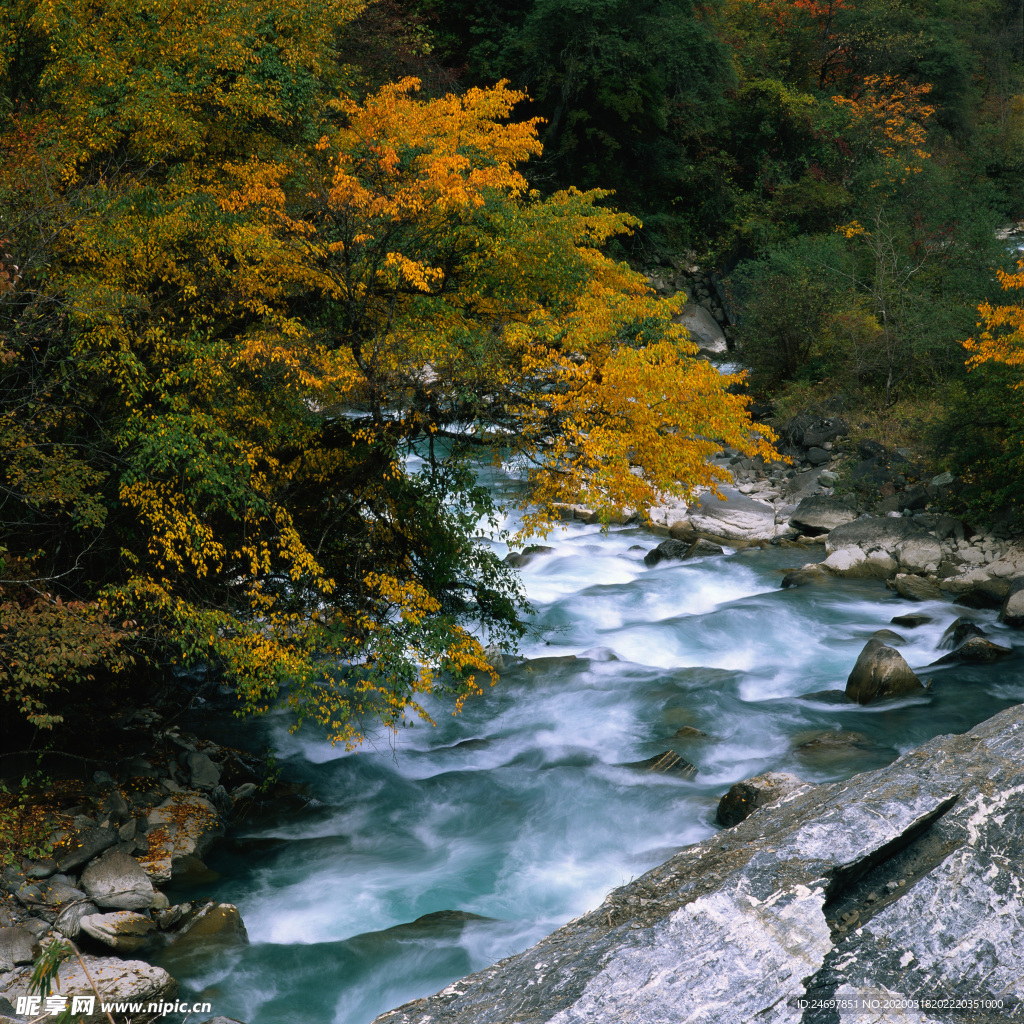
[(905, 881)]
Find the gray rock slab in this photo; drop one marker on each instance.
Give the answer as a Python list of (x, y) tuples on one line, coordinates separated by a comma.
[(83, 846), (870, 533), (803, 898), (821, 514), (117, 881)]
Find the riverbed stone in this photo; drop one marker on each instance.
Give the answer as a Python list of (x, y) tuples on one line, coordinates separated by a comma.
[(738, 518), (919, 554), (747, 796), (117, 881), (182, 826), (958, 631), (805, 575), (123, 930), (518, 559), (666, 763), (915, 588), (911, 621), (873, 533), (817, 514), (881, 671), (855, 563), (802, 901), (680, 550), (976, 649), (1012, 612)]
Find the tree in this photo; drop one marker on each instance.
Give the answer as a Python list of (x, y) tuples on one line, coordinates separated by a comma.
[(225, 343)]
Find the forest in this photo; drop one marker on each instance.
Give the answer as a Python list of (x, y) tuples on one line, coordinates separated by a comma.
[(256, 255)]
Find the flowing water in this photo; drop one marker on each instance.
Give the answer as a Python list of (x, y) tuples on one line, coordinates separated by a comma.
[(523, 811)]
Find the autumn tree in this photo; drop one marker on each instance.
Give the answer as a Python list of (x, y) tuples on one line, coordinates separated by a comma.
[(258, 334)]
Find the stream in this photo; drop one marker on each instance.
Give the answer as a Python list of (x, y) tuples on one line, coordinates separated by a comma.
[(521, 813)]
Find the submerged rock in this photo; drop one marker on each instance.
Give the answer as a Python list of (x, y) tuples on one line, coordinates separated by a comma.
[(976, 649), (911, 621), (680, 550), (903, 882), (958, 631), (880, 672), (667, 763), (747, 796), (517, 559)]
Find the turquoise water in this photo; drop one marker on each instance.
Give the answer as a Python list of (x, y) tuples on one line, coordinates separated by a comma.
[(521, 810)]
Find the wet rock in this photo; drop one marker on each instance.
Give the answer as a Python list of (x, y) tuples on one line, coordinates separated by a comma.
[(215, 921), (911, 621), (529, 554), (117, 881), (679, 550), (747, 796), (83, 846), (826, 697), (123, 930), (667, 763), (986, 593), (832, 743), (958, 631), (803, 902), (888, 636), (1012, 612), (17, 946), (914, 588), (975, 649), (879, 672), (688, 732), (813, 572), (819, 514)]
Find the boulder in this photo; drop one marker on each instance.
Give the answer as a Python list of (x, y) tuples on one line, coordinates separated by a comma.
[(680, 550), (124, 930), (888, 636), (919, 554), (1012, 612), (819, 514), (17, 946), (69, 920), (821, 431), (958, 631), (914, 588), (117, 981), (117, 881), (986, 593), (810, 573), (666, 763), (745, 797), (871, 534), (902, 883), (517, 559), (911, 621), (83, 846), (203, 773), (738, 518), (704, 330), (947, 526), (976, 649), (817, 456), (183, 825), (219, 922), (879, 672), (854, 563)]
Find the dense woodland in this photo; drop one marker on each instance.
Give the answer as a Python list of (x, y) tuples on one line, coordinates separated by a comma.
[(255, 254)]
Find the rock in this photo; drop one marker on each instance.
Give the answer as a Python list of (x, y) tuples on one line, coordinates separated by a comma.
[(83, 846), (1012, 612), (870, 534), (666, 763), (942, 480), (958, 631), (916, 497), (738, 518), (976, 649), (804, 902), (919, 554), (881, 672), (704, 330), (117, 980), (745, 797), (69, 920), (530, 553), (986, 593), (115, 807), (216, 921), (58, 891), (832, 742), (888, 636), (124, 930), (827, 478), (817, 456), (41, 868), (911, 621), (204, 774), (806, 574), (118, 881), (688, 732), (821, 431), (181, 826), (17, 946), (819, 514), (678, 550), (854, 563), (914, 588), (947, 526)]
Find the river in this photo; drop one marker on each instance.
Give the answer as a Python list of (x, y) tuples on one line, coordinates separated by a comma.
[(523, 809)]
